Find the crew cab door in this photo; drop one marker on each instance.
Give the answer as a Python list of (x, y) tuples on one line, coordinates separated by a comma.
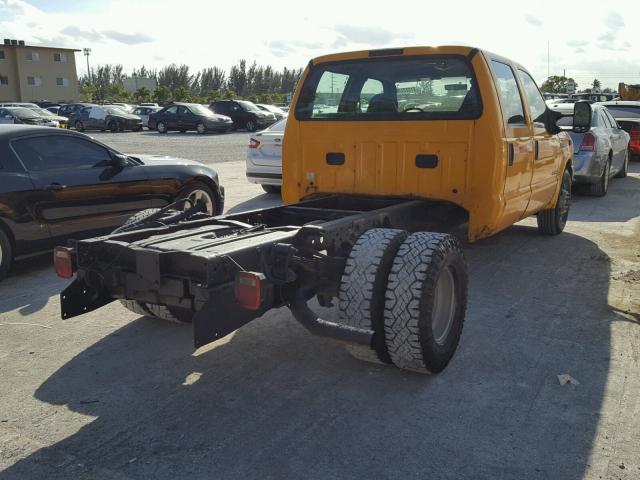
[(78, 190), (518, 143), (547, 155)]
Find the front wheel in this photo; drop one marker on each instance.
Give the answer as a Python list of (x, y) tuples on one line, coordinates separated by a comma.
[(201, 193), (425, 302), (6, 254), (161, 127), (113, 127), (250, 126), (553, 221), (200, 128), (79, 126)]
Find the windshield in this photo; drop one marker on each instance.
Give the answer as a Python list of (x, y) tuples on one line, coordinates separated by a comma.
[(624, 111), (271, 108), (21, 112), (248, 106), (43, 112), (406, 88), (200, 110)]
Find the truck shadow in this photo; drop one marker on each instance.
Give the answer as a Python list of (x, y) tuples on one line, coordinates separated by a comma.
[(272, 401)]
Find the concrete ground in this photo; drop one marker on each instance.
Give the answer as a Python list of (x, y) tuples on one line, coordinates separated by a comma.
[(111, 395)]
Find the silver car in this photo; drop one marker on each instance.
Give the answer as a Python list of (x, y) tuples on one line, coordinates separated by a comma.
[(143, 111), (600, 153)]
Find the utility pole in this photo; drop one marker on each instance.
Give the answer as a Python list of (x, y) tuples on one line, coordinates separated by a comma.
[(87, 52)]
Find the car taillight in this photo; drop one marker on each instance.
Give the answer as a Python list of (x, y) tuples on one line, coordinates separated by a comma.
[(634, 141), (248, 289), (588, 143), (63, 262), (253, 143)]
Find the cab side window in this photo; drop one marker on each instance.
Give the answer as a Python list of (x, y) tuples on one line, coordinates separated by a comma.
[(509, 93), (537, 106), (54, 152)]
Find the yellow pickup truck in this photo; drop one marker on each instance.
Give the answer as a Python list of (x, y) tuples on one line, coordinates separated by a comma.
[(385, 152)]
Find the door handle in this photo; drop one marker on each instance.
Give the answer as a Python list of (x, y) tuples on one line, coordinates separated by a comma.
[(511, 154), (56, 187), (536, 149)]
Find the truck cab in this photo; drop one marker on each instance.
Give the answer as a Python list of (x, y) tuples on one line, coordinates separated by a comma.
[(456, 124)]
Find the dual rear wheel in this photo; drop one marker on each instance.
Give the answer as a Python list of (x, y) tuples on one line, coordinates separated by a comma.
[(411, 291)]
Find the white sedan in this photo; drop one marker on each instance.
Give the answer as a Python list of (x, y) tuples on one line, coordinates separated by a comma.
[(264, 158)]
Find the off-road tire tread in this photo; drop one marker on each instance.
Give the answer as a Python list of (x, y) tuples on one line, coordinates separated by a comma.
[(363, 286), (411, 288)]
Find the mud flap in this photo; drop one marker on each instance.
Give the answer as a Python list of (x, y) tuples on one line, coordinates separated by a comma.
[(221, 315), (79, 298)]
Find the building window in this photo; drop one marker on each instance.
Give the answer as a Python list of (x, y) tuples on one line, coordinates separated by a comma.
[(4, 80), (33, 56), (62, 82), (34, 81), (60, 57), (1, 54)]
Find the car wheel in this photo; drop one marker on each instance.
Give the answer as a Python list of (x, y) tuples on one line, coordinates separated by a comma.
[(600, 188), (271, 188), (137, 129), (79, 126), (625, 166), (6, 254), (553, 221), (250, 126), (200, 128), (161, 127), (200, 193), (113, 126)]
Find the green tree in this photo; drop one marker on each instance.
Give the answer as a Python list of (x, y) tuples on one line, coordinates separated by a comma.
[(142, 94), (214, 95), (117, 93), (182, 94), (230, 94), (596, 84), (87, 93), (162, 94), (556, 84)]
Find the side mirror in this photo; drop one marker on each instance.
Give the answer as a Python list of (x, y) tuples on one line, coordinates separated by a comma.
[(582, 117), (119, 161)]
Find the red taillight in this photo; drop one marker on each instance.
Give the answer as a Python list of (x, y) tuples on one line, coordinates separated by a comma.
[(248, 289), (588, 143), (63, 262), (253, 143), (634, 141)]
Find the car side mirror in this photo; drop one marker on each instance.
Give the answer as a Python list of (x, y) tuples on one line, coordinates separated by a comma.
[(582, 117), (119, 161)]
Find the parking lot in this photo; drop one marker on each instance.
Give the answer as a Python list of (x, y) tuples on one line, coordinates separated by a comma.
[(112, 395)]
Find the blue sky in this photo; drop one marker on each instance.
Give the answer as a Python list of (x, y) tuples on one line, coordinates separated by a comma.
[(587, 40)]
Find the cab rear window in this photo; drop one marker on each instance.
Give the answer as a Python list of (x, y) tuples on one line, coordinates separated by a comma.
[(401, 88)]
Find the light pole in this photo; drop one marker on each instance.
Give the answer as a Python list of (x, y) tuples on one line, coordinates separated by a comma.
[(87, 52)]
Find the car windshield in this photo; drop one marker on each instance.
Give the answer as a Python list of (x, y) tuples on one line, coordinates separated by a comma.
[(22, 112), (43, 112), (115, 111), (248, 106), (624, 111), (200, 110), (405, 88)]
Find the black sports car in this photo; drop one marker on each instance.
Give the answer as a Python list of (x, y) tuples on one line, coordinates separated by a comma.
[(59, 184)]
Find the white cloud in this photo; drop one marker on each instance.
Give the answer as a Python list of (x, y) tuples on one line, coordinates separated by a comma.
[(532, 20)]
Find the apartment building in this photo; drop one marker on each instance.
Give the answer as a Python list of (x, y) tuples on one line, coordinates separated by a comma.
[(32, 73)]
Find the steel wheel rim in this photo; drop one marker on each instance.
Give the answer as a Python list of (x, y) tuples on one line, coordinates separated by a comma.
[(250, 126), (161, 127), (444, 306), (201, 128), (198, 196)]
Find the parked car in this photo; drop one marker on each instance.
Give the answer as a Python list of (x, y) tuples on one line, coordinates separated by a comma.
[(71, 108), (277, 111), (17, 115), (244, 114), (188, 116), (627, 114), (144, 111), (600, 153), (264, 157), (54, 110), (61, 121), (148, 104), (104, 118), (61, 184)]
